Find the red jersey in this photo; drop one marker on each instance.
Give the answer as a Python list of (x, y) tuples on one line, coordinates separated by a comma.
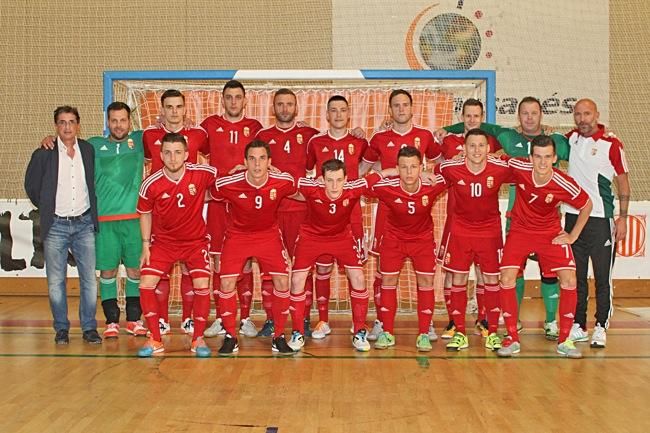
[(253, 208), (227, 140), (535, 209), (331, 217), (385, 145), (349, 149), (197, 142), (409, 217), (177, 206), (475, 196), (453, 144)]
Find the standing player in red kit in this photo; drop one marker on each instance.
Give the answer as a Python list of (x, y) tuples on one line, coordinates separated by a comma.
[(288, 143), (535, 228), (228, 135), (254, 196), (336, 143), (474, 231), (383, 149), (173, 112), (171, 221), (408, 233)]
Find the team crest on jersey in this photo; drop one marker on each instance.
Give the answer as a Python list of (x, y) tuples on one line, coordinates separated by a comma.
[(192, 189), (130, 143), (594, 151), (549, 198), (447, 258), (425, 200), (351, 149), (273, 194), (490, 181), (346, 202), (299, 138), (416, 142), (247, 131)]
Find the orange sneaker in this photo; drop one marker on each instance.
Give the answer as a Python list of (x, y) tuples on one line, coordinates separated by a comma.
[(136, 328), (150, 348), (112, 330)]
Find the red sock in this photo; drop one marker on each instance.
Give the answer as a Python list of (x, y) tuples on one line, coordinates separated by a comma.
[(568, 302), (245, 292), (323, 296), (162, 294), (309, 294), (280, 311), (492, 309), (149, 305), (228, 309), (187, 295), (216, 286), (508, 298), (459, 306), (267, 297), (201, 311), (480, 302), (297, 309), (359, 301), (376, 290), (447, 294), (389, 307), (426, 304)]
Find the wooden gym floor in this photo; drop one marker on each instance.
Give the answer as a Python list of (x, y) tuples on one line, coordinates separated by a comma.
[(327, 388)]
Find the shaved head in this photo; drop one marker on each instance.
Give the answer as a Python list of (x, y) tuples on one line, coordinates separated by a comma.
[(586, 115)]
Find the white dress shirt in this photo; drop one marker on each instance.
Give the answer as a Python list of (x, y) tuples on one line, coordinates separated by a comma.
[(71, 191)]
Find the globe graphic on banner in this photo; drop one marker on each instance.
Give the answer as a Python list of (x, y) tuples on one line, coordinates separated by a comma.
[(450, 41)]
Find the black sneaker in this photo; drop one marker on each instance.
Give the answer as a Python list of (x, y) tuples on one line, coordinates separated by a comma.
[(92, 337), (62, 337), (281, 347), (229, 345), (307, 332), (267, 329)]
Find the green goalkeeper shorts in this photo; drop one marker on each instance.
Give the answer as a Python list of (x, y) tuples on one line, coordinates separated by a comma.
[(118, 242)]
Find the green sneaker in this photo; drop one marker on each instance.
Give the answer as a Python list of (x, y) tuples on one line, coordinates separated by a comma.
[(551, 331), (493, 341), (458, 341), (385, 340), (568, 349), (423, 343)]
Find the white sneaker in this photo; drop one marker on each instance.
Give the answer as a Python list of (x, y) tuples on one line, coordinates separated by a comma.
[(472, 307), (165, 328), (360, 341), (321, 330), (577, 334), (375, 332), (215, 329), (247, 328), (188, 326), (432, 333), (598, 337), (296, 342)]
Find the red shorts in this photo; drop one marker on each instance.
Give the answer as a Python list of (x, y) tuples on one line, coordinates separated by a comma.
[(380, 222), (216, 224), (551, 257), (462, 251), (289, 223), (345, 249), (394, 252), (194, 255), (444, 242), (266, 247)]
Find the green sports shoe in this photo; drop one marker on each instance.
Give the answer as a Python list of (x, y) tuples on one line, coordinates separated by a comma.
[(423, 343), (458, 341), (493, 341), (385, 340), (568, 349)]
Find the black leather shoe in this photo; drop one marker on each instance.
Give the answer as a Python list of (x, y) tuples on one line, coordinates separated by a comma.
[(92, 337), (61, 337)]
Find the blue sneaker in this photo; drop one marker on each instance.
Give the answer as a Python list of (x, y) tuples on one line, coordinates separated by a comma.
[(150, 348), (200, 348), (267, 329)]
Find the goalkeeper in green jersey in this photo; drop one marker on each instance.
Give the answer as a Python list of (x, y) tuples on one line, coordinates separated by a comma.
[(516, 143)]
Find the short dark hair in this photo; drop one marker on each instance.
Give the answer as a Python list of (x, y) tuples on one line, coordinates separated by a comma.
[(528, 100), (337, 98), (333, 165), (118, 106), (472, 102), (171, 93), (283, 91), (174, 137), (233, 84), (408, 152), (66, 109), (542, 141), (476, 131), (398, 92), (257, 144)]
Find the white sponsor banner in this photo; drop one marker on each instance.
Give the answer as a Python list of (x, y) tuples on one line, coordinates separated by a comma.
[(555, 50)]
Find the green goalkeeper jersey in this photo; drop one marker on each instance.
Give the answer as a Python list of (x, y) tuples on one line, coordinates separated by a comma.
[(118, 174)]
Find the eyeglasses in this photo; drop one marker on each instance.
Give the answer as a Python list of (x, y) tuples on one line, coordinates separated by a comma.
[(66, 122)]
